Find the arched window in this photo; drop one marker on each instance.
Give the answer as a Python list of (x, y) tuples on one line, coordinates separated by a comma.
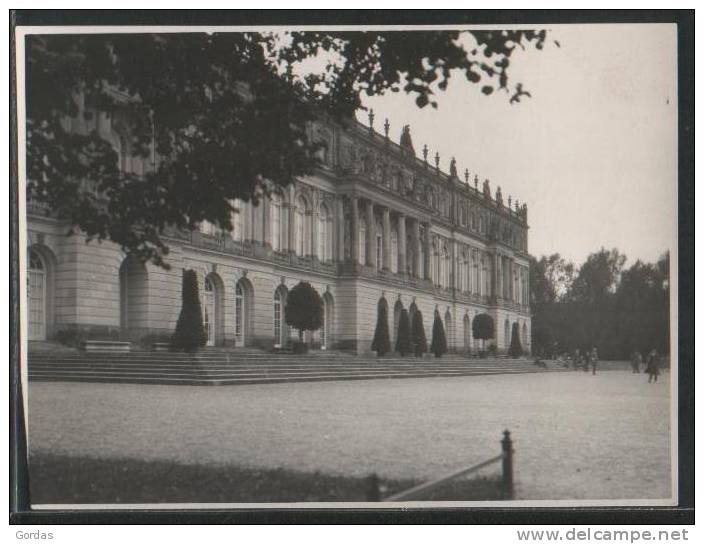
[(209, 311), (446, 267), (486, 280), (276, 222), (394, 251), (460, 274), (324, 234), (239, 315), (474, 287), (36, 294)]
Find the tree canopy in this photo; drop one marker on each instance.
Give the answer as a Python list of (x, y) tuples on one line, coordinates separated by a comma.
[(304, 308), (614, 308), (211, 116)]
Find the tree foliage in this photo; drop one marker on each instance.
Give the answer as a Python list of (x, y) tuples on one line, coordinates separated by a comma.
[(381, 342), (420, 343), (304, 308), (438, 344), (212, 116), (483, 327), (403, 336), (190, 332), (616, 309)]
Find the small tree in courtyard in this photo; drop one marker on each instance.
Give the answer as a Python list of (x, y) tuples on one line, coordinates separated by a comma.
[(515, 350), (438, 345), (420, 344), (190, 333), (403, 335), (304, 310), (381, 342), (483, 328)]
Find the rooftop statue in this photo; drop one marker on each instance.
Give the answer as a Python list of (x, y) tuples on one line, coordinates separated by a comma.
[(406, 141), (453, 168), (486, 189)]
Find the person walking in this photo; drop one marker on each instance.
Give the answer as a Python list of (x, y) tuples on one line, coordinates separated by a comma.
[(636, 361), (594, 359), (653, 367)]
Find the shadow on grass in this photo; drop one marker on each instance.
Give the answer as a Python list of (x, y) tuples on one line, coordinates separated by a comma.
[(57, 479)]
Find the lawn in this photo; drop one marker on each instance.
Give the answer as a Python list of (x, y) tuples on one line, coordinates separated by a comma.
[(576, 436)]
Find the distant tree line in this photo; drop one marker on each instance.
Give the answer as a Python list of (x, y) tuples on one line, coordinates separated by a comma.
[(600, 304)]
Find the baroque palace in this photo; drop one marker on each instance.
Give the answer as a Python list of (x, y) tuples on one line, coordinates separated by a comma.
[(375, 224)]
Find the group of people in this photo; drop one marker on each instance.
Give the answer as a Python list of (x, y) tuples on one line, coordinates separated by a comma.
[(588, 359), (652, 364), (585, 360)]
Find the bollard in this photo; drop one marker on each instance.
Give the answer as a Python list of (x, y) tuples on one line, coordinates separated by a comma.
[(373, 492), (507, 465)]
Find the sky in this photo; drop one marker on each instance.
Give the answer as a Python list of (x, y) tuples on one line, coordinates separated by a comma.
[(593, 152)]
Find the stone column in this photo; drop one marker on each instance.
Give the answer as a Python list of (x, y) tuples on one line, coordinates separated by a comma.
[(340, 225), (266, 223), (291, 227), (428, 259), (371, 235), (386, 253), (401, 244), (416, 248), (354, 238), (314, 234)]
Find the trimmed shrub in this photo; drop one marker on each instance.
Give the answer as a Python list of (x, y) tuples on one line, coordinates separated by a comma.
[(403, 336), (304, 309), (420, 344), (438, 345), (515, 350), (483, 327), (190, 332), (381, 342)]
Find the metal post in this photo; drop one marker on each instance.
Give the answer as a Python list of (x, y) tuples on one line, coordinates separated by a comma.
[(373, 491), (507, 464)]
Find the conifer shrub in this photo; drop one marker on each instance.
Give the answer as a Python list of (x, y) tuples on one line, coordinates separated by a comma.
[(190, 332), (420, 344), (404, 345), (438, 345)]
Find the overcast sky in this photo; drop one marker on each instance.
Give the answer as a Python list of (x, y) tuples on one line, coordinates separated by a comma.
[(592, 153)]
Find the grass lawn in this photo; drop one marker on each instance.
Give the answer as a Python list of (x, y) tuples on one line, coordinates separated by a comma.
[(76, 480), (576, 436)]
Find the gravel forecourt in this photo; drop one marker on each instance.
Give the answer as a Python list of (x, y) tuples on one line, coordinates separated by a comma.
[(576, 436)]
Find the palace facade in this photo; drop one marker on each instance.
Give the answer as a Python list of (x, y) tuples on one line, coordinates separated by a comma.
[(375, 223)]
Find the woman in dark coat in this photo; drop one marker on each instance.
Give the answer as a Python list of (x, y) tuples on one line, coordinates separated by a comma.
[(653, 366)]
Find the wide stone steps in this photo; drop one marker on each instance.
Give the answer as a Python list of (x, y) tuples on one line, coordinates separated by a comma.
[(251, 367)]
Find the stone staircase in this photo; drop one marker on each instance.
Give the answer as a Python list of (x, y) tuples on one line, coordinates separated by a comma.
[(251, 366)]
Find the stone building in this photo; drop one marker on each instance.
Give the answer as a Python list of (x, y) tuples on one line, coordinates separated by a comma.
[(374, 222)]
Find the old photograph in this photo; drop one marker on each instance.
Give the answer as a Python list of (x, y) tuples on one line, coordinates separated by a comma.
[(341, 266)]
